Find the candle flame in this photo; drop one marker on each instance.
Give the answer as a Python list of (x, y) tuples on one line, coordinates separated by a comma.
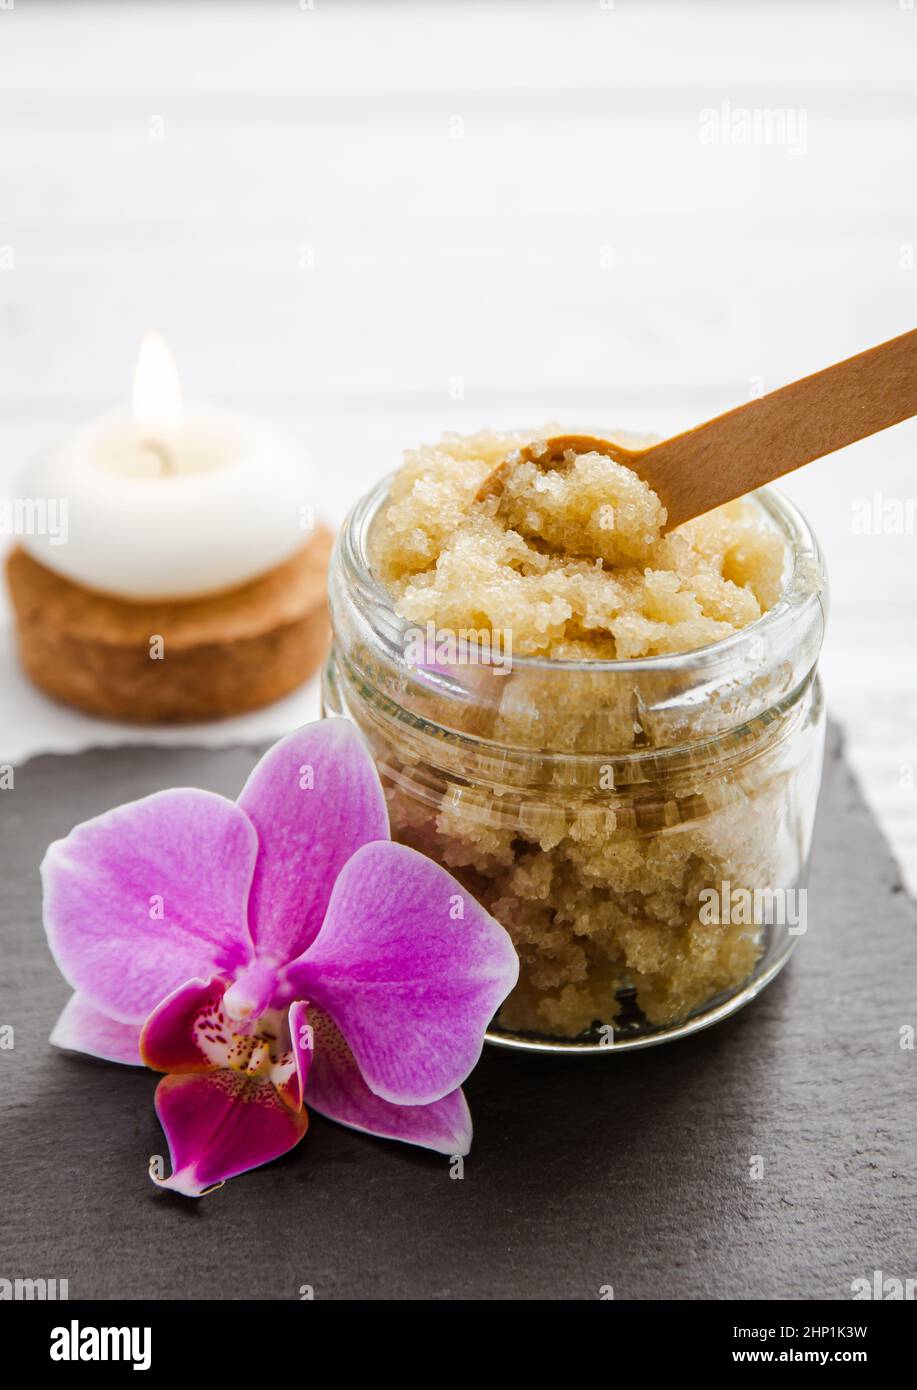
[(157, 398)]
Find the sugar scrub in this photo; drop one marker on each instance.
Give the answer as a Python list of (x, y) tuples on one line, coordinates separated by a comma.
[(657, 734), (571, 561)]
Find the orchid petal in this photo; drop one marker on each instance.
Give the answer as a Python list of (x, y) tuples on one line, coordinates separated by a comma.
[(314, 798), (81, 1028), (336, 1089), (220, 1125), (411, 968), (147, 895)]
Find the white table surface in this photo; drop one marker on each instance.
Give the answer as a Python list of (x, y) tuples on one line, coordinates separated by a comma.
[(371, 223)]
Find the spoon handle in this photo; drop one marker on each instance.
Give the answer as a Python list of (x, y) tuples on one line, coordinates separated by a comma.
[(766, 438)]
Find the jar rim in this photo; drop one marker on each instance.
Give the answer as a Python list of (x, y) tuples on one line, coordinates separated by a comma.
[(805, 589)]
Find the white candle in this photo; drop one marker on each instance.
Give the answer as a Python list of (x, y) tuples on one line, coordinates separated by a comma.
[(170, 502)]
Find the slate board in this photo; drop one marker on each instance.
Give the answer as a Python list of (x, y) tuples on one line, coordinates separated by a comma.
[(629, 1170)]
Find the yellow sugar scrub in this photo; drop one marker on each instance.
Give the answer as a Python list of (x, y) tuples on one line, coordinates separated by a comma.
[(572, 562), (611, 734)]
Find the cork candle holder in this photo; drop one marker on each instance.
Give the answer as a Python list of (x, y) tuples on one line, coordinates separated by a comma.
[(173, 662)]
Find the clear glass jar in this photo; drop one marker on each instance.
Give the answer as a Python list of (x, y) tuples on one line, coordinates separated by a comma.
[(641, 828)]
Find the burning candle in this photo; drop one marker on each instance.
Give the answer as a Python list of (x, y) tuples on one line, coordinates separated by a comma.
[(169, 501)]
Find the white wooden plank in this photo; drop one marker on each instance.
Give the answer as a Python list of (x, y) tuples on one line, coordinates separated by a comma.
[(539, 320), (419, 164), (334, 47)]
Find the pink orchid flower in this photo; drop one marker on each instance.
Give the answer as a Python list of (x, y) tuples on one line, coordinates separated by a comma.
[(274, 953)]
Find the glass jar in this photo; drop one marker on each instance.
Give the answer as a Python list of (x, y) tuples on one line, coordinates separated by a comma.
[(641, 828)]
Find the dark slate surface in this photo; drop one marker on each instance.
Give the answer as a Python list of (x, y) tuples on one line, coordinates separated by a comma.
[(630, 1170)]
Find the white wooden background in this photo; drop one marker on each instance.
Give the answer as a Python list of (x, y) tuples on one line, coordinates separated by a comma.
[(373, 222)]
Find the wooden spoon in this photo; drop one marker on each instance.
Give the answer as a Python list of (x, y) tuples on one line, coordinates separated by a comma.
[(735, 453)]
